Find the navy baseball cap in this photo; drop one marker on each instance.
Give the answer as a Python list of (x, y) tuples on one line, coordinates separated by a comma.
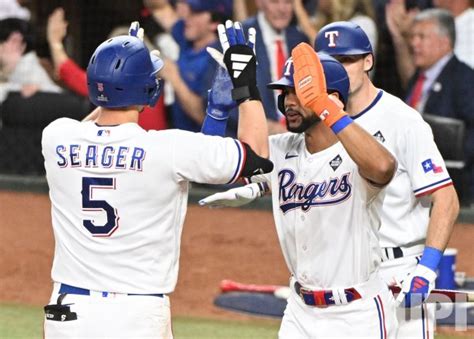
[(223, 7), (342, 38)]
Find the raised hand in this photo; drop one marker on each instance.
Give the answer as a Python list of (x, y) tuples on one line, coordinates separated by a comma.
[(136, 31), (310, 87), (221, 98), (240, 60)]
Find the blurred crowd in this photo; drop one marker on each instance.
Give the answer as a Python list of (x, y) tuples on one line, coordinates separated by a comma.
[(424, 54)]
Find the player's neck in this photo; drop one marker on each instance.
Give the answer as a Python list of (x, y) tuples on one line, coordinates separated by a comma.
[(319, 137), (360, 100), (116, 117)]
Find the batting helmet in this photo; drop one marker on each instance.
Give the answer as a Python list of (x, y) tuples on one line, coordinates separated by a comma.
[(342, 38), (122, 72), (335, 74)]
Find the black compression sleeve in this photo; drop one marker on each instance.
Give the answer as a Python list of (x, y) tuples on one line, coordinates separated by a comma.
[(255, 164)]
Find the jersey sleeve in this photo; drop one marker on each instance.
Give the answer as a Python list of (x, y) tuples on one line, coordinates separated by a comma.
[(207, 159), (423, 160)]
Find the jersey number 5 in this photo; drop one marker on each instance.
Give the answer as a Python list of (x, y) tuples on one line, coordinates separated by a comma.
[(89, 184)]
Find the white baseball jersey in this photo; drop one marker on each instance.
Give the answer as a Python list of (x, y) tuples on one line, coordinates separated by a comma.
[(421, 169), (119, 198), (325, 214)]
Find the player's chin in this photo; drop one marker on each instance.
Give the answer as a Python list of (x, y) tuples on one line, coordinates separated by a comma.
[(295, 127), (302, 124)]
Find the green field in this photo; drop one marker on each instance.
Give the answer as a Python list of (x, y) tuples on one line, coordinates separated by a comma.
[(18, 321)]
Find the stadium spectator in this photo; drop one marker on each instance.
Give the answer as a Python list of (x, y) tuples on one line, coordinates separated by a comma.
[(20, 69), (464, 19), (385, 70), (74, 77), (192, 74), (441, 84), (360, 12), (276, 37), (157, 18), (400, 20)]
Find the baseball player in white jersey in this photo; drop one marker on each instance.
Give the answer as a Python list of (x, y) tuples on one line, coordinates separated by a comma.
[(119, 193), (412, 242), (327, 186)]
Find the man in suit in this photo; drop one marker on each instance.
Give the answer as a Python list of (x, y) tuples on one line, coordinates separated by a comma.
[(276, 37), (442, 85)]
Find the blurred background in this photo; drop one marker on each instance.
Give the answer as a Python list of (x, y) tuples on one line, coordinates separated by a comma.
[(45, 47)]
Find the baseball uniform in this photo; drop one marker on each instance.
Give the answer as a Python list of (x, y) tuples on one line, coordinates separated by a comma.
[(327, 223), (119, 193), (405, 210)]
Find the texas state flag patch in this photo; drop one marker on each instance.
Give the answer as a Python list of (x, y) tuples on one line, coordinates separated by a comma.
[(430, 166)]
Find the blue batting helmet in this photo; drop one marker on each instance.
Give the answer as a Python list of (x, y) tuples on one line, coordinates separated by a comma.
[(342, 38), (122, 72), (335, 74)]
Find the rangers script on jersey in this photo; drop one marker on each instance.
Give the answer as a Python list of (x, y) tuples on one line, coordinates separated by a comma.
[(325, 214)]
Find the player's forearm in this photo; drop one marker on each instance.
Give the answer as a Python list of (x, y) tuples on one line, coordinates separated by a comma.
[(253, 129), (444, 212), (375, 162)]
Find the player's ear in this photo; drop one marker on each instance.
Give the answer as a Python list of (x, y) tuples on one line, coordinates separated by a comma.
[(368, 62)]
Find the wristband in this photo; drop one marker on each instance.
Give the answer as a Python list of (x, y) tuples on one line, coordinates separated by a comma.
[(341, 124), (245, 93), (431, 258), (327, 110), (214, 126)]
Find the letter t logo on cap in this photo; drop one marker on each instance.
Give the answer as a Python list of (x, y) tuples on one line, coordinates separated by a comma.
[(332, 37)]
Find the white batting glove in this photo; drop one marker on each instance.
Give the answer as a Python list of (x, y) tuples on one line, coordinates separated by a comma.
[(135, 30), (224, 40), (416, 287), (138, 32), (235, 197)]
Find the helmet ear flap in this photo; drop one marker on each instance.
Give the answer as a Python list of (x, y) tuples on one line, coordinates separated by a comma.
[(281, 103), (154, 93)]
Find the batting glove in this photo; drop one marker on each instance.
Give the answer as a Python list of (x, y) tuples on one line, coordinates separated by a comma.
[(136, 31), (240, 60), (219, 104), (235, 197), (418, 285), (310, 87), (222, 95)]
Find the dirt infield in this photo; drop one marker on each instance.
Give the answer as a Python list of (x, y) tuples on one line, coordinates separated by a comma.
[(217, 244)]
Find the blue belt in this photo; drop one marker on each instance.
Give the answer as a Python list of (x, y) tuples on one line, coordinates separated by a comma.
[(82, 291)]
